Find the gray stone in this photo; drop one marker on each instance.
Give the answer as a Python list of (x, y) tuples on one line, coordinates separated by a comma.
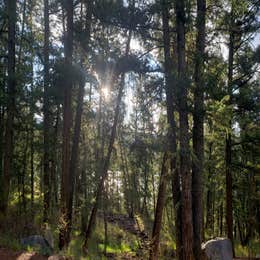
[(48, 235), (218, 249), (39, 243)]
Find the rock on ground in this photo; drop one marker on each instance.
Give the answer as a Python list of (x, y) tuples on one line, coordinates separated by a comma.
[(39, 243), (218, 249)]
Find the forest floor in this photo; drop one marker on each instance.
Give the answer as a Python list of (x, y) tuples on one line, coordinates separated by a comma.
[(7, 254), (127, 239), (133, 226)]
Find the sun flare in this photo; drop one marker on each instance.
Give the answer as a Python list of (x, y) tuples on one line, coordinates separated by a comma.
[(105, 92)]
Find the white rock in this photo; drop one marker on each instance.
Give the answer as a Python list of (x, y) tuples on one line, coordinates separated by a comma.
[(218, 249)]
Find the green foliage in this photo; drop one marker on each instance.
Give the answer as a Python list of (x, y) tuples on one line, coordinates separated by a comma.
[(8, 241), (253, 249), (120, 242)]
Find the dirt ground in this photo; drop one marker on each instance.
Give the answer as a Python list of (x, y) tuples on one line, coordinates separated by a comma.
[(7, 254)]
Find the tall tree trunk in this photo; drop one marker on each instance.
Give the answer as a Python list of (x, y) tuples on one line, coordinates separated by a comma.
[(8, 155), (252, 206), (24, 169), (2, 115), (126, 179), (159, 210), (54, 164), (67, 120), (2, 122), (76, 134), (32, 171), (144, 210), (100, 137), (185, 162), (153, 190), (198, 129), (209, 196), (53, 169), (84, 208), (105, 203), (170, 92), (74, 152), (221, 219), (46, 114), (229, 197), (209, 210), (105, 166), (22, 36)]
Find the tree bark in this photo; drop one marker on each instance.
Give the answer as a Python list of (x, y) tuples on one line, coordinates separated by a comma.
[(229, 197), (198, 129), (209, 196), (22, 35), (9, 132), (159, 210), (105, 202), (23, 174), (54, 161), (185, 162), (170, 92), (32, 171), (46, 115), (2, 115), (221, 219), (228, 148), (74, 151), (67, 118), (76, 134)]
